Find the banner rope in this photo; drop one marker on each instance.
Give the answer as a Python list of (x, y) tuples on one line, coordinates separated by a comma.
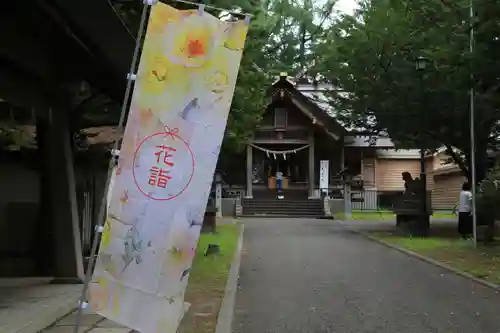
[(269, 151), (112, 163)]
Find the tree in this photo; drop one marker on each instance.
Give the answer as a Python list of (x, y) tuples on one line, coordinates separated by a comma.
[(279, 39), (488, 196), (370, 59)]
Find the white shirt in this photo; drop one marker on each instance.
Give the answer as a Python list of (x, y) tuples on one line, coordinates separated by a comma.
[(465, 203), (279, 175)]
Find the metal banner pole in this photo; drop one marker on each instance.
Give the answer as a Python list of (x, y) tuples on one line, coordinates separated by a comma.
[(102, 210)]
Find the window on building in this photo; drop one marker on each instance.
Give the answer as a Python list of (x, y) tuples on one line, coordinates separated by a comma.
[(280, 117)]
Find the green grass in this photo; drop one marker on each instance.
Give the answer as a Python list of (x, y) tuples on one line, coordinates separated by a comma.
[(215, 265), (483, 262), (385, 215), (444, 215), (208, 278), (379, 215), (423, 244)]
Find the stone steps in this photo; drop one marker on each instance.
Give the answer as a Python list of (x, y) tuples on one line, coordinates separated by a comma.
[(265, 207)]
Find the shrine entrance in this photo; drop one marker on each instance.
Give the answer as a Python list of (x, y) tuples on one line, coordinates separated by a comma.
[(295, 134), (289, 160)]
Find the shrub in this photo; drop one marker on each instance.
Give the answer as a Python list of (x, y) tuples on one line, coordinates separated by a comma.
[(488, 197)]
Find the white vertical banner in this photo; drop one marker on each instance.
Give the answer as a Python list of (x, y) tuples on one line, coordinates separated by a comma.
[(324, 166), (178, 114)]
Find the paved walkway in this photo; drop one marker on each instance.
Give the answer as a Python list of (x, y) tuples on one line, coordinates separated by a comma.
[(315, 276), (91, 323), (28, 305), (32, 307)]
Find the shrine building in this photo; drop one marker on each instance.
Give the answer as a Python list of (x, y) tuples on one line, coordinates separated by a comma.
[(300, 138)]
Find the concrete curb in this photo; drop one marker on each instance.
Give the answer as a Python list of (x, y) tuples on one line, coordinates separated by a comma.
[(425, 259), (226, 312)]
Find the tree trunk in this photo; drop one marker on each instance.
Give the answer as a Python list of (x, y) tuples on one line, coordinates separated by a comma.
[(303, 35), (481, 162), (458, 160)]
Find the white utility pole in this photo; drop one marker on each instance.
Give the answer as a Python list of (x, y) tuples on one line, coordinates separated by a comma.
[(472, 125)]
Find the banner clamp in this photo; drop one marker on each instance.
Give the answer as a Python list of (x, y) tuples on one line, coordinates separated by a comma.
[(83, 305), (248, 18)]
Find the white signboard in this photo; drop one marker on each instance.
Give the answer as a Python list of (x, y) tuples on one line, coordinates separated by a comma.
[(323, 175)]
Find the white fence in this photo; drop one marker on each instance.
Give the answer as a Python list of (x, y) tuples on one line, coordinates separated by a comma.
[(366, 199)]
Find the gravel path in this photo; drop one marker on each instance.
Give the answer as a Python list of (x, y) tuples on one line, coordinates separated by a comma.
[(315, 276)]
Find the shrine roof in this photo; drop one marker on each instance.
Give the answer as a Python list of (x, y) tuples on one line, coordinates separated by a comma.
[(51, 43), (313, 108), (315, 95)]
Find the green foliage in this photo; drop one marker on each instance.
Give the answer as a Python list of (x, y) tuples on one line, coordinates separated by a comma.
[(370, 59), (15, 137), (488, 195), (281, 36), (7, 136)]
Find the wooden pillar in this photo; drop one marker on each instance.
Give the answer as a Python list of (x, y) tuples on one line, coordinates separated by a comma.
[(249, 172), (347, 186), (45, 239), (342, 157), (312, 177), (59, 189), (347, 200), (362, 164)]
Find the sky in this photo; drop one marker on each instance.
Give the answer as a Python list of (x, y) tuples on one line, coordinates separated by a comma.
[(346, 6)]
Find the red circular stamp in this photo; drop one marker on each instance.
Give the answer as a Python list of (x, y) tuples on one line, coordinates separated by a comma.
[(163, 165)]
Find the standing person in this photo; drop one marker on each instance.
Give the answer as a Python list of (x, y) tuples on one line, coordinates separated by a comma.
[(465, 211), (279, 180)]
